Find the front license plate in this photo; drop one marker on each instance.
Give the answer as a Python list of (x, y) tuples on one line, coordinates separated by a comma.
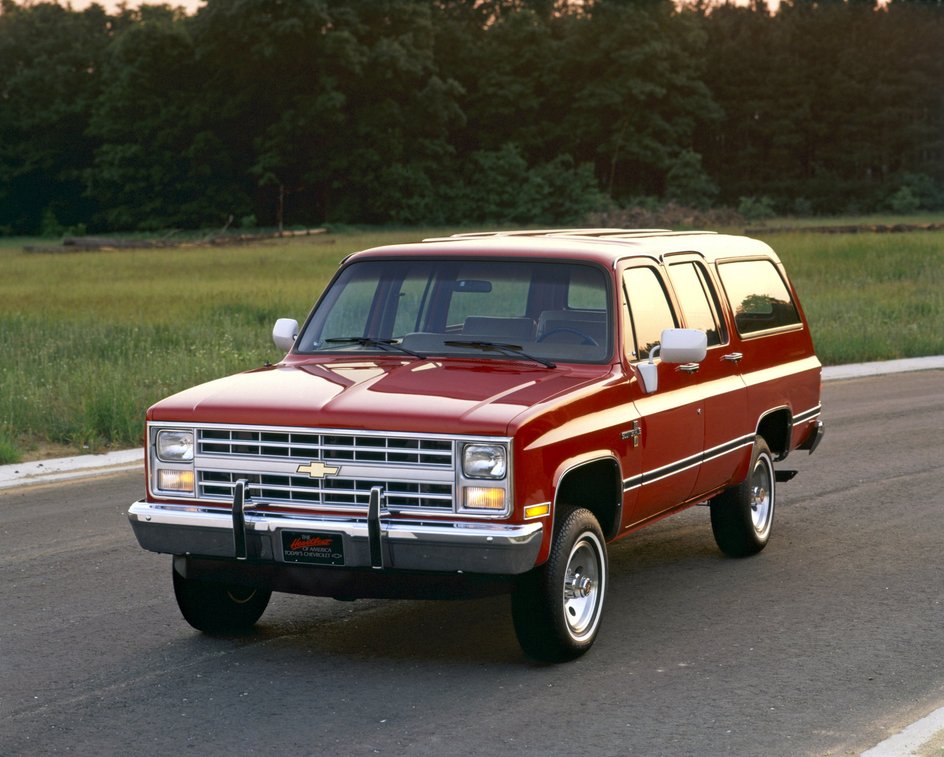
[(309, 547)]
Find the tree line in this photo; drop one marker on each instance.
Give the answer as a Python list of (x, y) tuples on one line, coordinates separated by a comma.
[(463, 111)]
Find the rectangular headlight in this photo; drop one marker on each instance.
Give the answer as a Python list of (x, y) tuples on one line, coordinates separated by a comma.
[(174, 446), (484, 460)]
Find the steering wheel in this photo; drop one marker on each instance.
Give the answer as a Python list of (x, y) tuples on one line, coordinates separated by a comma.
[(585, 338)]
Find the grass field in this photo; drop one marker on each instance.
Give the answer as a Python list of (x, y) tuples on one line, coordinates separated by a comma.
[(869, 296), (89, 339)]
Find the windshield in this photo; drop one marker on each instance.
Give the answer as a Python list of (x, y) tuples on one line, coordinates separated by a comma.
[(548, 312)]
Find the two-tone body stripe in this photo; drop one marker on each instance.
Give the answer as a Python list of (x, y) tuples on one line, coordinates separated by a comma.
[(721, 450), (671, 469), (808, 415)]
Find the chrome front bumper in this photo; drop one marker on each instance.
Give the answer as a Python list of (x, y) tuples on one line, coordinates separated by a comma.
[(372, 542)]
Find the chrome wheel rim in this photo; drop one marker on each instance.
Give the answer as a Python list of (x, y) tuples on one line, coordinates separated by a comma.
[(762, 495), (583, 587)]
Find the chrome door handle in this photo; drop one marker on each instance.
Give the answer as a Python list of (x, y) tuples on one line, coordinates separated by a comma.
[(689, 367), (733, 357)]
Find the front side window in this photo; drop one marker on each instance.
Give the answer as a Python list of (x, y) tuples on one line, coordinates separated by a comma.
[(758, 295), (650, 309), (486, 308)]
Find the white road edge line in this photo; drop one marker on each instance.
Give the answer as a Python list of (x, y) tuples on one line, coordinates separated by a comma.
[(69, 468), (88, 466), (910, 740), (882, 368)]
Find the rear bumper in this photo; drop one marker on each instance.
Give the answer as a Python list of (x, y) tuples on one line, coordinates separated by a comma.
[(488, 548), (815, 437)]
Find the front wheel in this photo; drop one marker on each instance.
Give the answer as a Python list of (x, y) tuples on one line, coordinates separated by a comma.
[(219, 608), (557, 608), (742, 516)]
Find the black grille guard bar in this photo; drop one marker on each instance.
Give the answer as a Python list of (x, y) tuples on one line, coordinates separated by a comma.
[(239, 520), (374, 532), (373, 528)]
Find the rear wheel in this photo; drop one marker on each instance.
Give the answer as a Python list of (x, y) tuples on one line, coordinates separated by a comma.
[(557, 608), (219, 608), (742, 516)]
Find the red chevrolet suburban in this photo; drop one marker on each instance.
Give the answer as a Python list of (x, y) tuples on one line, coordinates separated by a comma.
[(486, 412)]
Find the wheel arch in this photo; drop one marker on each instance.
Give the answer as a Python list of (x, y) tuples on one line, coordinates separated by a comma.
[(596, 485), (776, 427)]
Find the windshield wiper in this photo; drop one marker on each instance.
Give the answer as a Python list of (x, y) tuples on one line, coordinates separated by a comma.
[(367, 341), (511, 350)]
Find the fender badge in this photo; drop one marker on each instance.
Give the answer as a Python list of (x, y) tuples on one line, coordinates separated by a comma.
[(634, 433), (317, 469)]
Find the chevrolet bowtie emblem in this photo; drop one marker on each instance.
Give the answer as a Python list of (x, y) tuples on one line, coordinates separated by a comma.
[(316, 469)]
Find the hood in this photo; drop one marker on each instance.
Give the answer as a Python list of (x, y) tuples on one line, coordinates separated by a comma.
[(458, 396)]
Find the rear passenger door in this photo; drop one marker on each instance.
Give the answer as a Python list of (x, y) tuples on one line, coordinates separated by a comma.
[(779, 368), (729, 433), (670, 438)]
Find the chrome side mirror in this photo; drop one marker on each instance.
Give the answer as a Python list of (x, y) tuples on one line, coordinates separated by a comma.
[(684, 346), (284, 333), (677, 346)]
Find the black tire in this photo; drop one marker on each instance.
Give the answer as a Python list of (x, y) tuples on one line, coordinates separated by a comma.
[(219, 608), (743, 516), (557, 607)]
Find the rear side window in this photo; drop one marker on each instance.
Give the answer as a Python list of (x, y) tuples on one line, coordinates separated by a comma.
[(758, 295), (697, 300)]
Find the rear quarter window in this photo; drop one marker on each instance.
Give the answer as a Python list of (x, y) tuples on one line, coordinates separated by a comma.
[(758, 295)]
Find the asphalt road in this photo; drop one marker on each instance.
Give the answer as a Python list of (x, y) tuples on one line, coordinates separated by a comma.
[(825, 643)]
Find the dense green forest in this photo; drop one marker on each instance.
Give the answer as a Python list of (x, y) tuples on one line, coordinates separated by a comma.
[(463, 111)]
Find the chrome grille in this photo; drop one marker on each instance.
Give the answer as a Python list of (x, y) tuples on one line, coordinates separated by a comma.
[(327, 492), (329, 447), (415, 473)]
